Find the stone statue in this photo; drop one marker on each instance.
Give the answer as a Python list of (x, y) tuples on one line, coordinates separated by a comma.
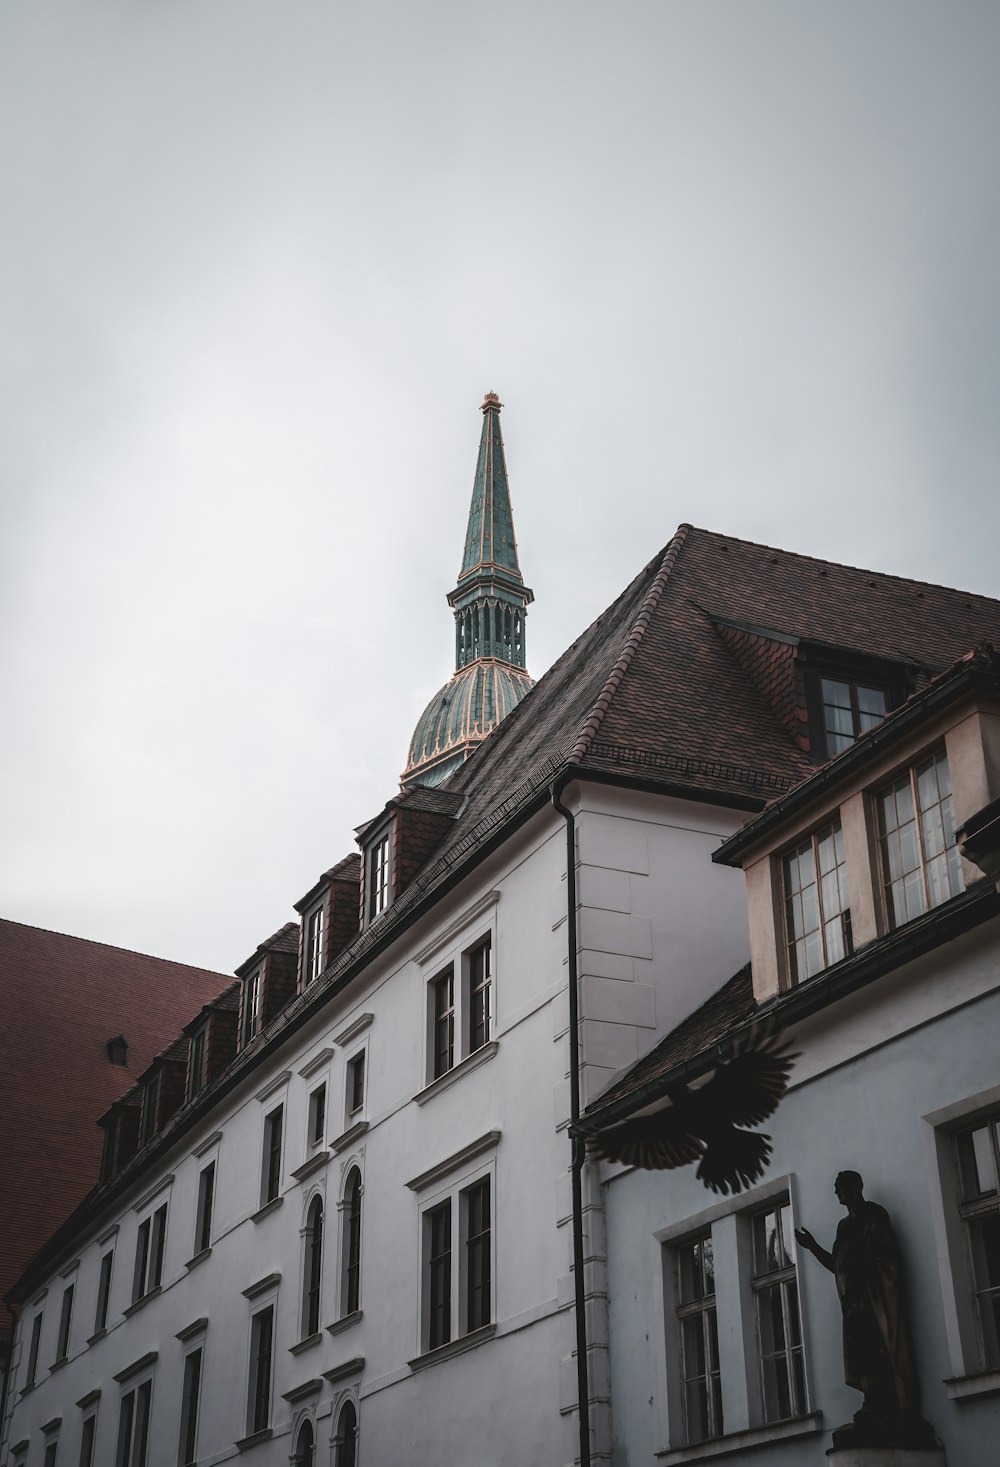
[(877, 1357)]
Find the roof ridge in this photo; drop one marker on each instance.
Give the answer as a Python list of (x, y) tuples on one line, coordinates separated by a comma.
[(841, 564), (593, 720)]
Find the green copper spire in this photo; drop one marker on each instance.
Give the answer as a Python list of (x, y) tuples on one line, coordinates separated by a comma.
[(491, 597), (489, 604)]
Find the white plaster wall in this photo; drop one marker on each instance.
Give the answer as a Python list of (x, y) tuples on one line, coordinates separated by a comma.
[(873, 1067)]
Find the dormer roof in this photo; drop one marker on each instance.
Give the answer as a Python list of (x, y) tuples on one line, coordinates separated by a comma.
[(285, 940)]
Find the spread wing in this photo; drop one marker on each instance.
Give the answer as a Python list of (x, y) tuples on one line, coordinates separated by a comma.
[(658, 1142), (746, 1089)]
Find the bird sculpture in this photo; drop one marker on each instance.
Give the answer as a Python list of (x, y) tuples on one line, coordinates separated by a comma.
[(703, 1122)]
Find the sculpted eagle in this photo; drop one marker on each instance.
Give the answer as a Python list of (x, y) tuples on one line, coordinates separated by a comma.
[(702, 1122)]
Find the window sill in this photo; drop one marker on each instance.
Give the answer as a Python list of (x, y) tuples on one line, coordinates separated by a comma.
[(470, 1062), (140, 1303), (971, 1387), (744, 1441), (245, 1443), (262, 1212), (454, 1347), (97, 1335), (57, 1364), (351, 1134), (198, 1258), (306, 1344), (339, 1325), (26, 1391), (312, 1165)]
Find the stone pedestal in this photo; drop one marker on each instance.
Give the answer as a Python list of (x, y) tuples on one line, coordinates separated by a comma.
[(886, 1457)]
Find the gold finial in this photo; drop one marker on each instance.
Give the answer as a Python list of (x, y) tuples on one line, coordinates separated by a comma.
[(491, 400)]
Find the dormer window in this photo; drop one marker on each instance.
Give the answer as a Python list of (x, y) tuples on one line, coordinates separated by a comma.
[(312, 957), (817, 905), (378, 877), (196, 1061), (850, 709), (921, 865), (251, 1006), (150, 1101)]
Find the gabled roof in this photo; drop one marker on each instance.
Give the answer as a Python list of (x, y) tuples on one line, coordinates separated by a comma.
[(285, 940), (63, 999)]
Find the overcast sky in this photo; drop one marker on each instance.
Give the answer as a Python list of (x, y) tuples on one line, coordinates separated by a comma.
[(732, 263)]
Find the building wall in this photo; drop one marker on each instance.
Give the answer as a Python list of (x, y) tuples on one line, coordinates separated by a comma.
[(877, 1072)]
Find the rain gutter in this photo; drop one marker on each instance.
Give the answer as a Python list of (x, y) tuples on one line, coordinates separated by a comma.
[(579, 1144)]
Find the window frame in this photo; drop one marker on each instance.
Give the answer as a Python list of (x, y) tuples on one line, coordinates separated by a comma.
[(313, 934), (150, 1104), (65, 1323), (351, 1208), (197, 1061), (312, 1267), (316, 1123), (250, 1015), (104, 1281), (445, 1215), (378, 874), (450, 1030), (886, 678), (355, 1105), (204, 1209), (349, 1457), (784, 1278), (150, 1247), (34, 1345), (972, 1210), (909, 773), (187, 1442), (831, 825), (272, 1158), (703, 1308), (88, 1440), (255, 1406), (127, 1454)]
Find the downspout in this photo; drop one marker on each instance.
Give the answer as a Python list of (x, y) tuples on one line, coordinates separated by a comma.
[(579, 1143)]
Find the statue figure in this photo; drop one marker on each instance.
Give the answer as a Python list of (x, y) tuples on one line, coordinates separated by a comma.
[(877, 1357)]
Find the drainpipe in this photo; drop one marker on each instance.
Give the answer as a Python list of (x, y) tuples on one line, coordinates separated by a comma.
[(579, 1143)]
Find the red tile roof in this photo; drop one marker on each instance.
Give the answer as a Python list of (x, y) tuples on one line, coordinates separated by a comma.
[(63, 999)]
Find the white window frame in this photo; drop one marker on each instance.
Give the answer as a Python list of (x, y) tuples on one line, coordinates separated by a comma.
[(449, 1185), (208, 1175), (348, 1398), (728, 1224), (378, 875), (317, 1115), (147, 1274), (313, 943), (352, 1165), (125, 1451), (353, 1114), (104, 1299), (278, 1109), (64, 1336), (969, 1375), (455, 949), (195, 1347), (306, 1327), (955, 868), (250, 1015), (89, 1414), (259, 1303), (34, 1347)]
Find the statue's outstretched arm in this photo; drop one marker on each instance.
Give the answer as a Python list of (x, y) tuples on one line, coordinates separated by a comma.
[(806, 1240)]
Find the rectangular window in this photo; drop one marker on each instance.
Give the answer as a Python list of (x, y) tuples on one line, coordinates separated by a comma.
[(103, 1292), (699, 1340), (87, 1442), (133, 1427), (356, 1084), (378, 873), (261, 1331), (272, 1155), (196, 1062), (476, 1203), (317, 1115), (251, 1007), (206, 1195), (849, 710), (149, 1254), (439, 1270), (36, 1335), (979, 1171), (921, 866), (191, 1392), (776, 1307), (480, 990), (65, 1324), (110, 1148), (443, 988), (312, 964), (817, 904), (150, 1101), (51, 1449)]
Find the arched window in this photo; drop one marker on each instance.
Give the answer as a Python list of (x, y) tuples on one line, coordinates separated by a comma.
[(305, 1446), (312, 1269), (346, 1440), (351, 1296)]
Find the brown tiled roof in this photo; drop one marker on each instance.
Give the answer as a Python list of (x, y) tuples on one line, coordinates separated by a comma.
[(63, 999), (285, 940), (732, 1005), (349, 869)]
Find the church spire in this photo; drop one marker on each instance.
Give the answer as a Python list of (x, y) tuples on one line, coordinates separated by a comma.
[(490, 598), (489, 603)]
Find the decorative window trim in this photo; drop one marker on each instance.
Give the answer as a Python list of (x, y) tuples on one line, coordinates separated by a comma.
[(452, 1163), (263, 1299), (451, 955), (191, 1402), (144, 1362), (317, 1062), (273, 1086), (467, 1172), (968, 1376), (73, 1268), (379, 875), (255, 1291), (451, 935), (207, 1144), (90, 1398), (107, 1235), (736, 1442), (346, 1309), (151, 1195), (348, 1137), (471, 1062), (313, 943), (353, 1029), (344, 1371), (303, 1392), (314, 1164), (192, 1331)]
